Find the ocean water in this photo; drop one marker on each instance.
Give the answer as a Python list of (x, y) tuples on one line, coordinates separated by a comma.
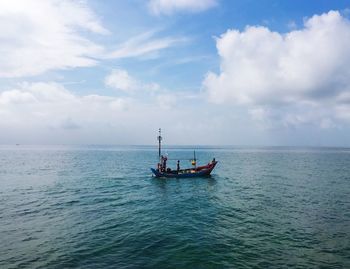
[(99, 207)]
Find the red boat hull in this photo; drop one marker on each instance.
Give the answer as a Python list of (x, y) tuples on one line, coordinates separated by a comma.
[(200, 171)]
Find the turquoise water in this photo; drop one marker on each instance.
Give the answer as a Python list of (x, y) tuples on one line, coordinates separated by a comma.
[(99, 207)]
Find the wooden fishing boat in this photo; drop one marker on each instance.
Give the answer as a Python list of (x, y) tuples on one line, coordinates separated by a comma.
[(195, 171)]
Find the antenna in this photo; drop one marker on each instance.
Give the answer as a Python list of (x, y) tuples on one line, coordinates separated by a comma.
[(159, 142)]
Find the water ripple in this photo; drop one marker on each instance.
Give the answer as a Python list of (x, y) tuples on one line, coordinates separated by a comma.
[(99, 208)]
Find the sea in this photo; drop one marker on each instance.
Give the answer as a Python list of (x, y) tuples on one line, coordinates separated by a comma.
[(99, 207)]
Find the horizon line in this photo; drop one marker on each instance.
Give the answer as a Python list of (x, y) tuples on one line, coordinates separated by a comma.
[(183, 145)]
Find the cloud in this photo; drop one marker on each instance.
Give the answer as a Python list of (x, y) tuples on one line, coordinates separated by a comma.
[(52, 105), (303, 70), (69, 124), (167, 100), (169, 7), (48, 112), (144, 44), (37, 36), (292, 25), (120, 79)]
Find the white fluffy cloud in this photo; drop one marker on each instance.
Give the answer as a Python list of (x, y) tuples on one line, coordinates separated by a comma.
[(121, 80), (37, 36), (306, 69), (170, 6)]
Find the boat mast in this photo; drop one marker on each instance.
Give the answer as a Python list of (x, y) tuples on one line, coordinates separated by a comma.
[(159, 142), (194, 161)]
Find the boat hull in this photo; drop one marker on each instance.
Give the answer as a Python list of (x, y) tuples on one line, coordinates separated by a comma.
[(201, 171)]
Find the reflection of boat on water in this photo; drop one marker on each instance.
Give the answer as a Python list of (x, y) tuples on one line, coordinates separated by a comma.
[(195, 171)]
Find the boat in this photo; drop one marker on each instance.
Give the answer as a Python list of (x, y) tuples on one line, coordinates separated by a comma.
[(195, 171)]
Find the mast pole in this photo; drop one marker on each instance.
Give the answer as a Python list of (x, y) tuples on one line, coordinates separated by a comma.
[(159, 142), (194, 159)]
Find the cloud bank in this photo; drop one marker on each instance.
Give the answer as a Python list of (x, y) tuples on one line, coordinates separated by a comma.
[(52, 104), (303, 75), (48, 112)]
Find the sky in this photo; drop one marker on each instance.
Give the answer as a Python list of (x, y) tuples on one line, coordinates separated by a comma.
[(209, 72)]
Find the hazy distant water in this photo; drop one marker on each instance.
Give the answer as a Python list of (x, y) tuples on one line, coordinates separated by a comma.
[(99, 207)]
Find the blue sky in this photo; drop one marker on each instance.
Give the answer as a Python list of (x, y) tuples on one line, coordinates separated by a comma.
[(208, 72)]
